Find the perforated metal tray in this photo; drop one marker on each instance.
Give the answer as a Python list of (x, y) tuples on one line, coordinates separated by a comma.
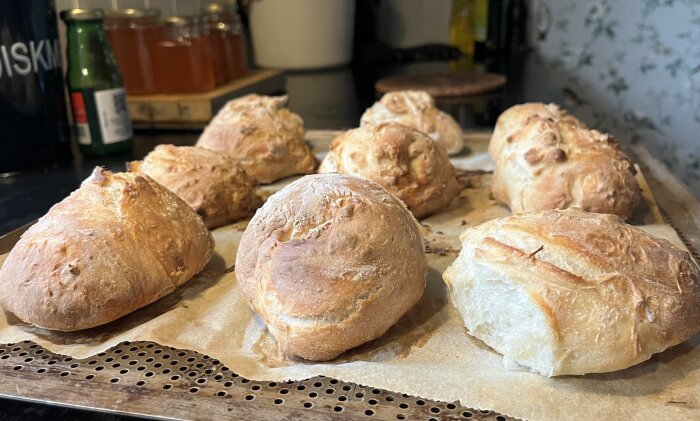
[(144, 378)]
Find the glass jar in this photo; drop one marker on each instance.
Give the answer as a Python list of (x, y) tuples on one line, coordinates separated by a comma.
[(181, 62), (133, 35), (226, 33)]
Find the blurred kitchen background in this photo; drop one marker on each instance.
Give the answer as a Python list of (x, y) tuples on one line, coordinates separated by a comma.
[(629, 67)]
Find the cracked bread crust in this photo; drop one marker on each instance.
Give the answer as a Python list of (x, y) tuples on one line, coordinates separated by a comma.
[(330, 262)]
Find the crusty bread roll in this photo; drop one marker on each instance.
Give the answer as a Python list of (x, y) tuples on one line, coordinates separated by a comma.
[(216, 186), (119, 242), (552, 162), (330, 262), (267, 138), (401, 159), (571, 292), (514, 118), (416, 109)]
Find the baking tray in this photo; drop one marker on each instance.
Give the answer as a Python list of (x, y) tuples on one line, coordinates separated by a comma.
[(148, 379)]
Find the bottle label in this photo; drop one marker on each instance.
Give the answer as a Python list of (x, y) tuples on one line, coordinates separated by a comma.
[(81, 119), (113, 116)]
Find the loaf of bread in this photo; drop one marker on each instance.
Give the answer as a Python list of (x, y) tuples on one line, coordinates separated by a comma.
[(417, 109), (571, 292), (216, 186), (401, 159), (266, 138), (545, 159), (330, 262), (118, 243)]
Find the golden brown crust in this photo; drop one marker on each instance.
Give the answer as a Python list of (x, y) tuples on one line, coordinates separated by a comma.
[(266, 138), (401, 159), (546, 159), (416, 109), (118, 243), (611, 294), (216, 186), (330, 262)]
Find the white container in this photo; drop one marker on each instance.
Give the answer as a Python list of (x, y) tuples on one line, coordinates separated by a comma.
[(302, 34)]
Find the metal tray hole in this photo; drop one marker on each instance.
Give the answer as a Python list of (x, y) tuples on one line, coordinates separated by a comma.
[(369, 412), (308, 404), (221, 393), (484, 411), (119, 351), (313, 394), (140, 383), (133, 362), (133, 348), (39, 351), (208, 371), (52, 362), (114, 380), (92, 362), (181, 354), (116, 365), (330, 391), (272, 384), (124, 371), (190, 359), (157, 351), (451, 406), (420, 402), (500, 418), (194, 389), (75, 365), (403, 405), (141, 368), (101, 354), (347, 387), (165, 356), (183, 368), (301, 387), (284, 391), (167, 386), (175, 377), (372, 402), (359, 395), (141, 354), (99, 368), (192, 373), (432, 419), (342, 398), (28, 360), (201, 381), (228, 384), (435, 410), (338, 408), (64, 374), (150, 374), (109, 359), (200, 365), (41, 370), (279, 401), (389, 398), (23, 354), (256, 387), (376, 391), (17, 367), (405, 395), (249, 397), (400, 417), (89, 377), (150, 359), (218, 377), (245, 381), (318, 384), (157, 365), (174, 362), (334, 381), (467, 414), (6, 356)]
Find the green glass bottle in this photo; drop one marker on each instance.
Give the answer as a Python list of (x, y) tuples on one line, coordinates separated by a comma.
[(97, 95)]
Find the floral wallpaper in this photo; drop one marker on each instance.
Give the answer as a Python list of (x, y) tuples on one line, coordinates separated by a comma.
[(632, 68)]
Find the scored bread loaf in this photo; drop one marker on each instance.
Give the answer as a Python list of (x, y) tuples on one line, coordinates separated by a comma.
[(571, 292), (216, 186), (330, 262), (545, 159), (119, 242), (417, 109), (401, 159), (266, 138)]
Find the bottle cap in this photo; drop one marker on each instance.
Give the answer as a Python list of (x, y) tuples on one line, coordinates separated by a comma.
[(82, 15)]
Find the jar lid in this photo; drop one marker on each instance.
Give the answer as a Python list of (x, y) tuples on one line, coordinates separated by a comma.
[(82, 15), (130, 13), (174, 21)]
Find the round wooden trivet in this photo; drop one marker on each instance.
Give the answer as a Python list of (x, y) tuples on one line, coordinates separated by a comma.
[(443, 85)]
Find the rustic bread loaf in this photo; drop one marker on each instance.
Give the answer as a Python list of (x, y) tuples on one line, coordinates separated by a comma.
[(571, 292), (416, 109), (267, 139), (550, 161), (401, 159), (216, 186), (118, 243), (330, 262)]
